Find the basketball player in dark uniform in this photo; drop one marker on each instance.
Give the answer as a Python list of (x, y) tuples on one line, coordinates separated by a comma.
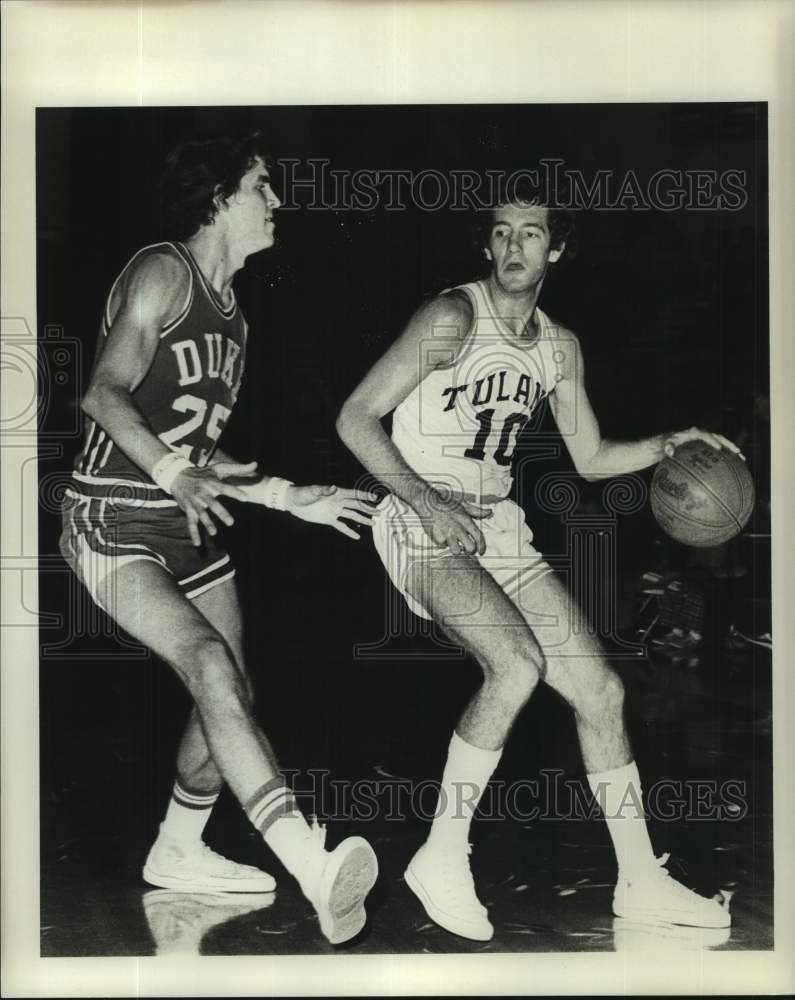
[(140, 523), (463, 379)]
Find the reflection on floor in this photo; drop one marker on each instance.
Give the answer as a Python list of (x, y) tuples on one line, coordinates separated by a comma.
[(180, 921), (199, 923), (703, 736)]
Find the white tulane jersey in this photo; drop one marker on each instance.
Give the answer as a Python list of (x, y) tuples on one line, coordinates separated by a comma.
[(459, 426)]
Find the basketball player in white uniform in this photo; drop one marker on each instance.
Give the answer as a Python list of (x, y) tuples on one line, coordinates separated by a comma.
[(465, 376), (140, 524)]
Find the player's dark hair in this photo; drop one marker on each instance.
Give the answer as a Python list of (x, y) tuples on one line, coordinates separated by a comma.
[(197, 171), (522, 192)]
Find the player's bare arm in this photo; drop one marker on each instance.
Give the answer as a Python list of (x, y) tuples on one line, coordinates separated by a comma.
[(432, 338), (331, 505), (152, 293), (227, 467), (595, 457)]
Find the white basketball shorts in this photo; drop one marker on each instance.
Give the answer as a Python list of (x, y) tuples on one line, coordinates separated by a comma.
[(510, 558)]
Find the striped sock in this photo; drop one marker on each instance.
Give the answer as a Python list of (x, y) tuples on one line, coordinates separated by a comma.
[(275, 813), (187, 814)]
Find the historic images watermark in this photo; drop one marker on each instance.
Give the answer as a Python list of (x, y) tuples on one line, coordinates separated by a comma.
[(548, 797), (315, 184)]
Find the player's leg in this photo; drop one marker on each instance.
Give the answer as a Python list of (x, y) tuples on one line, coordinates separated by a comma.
[(179, 858), (221, 607), (470, 608), (576, 668), (147, 603), (196, 770)]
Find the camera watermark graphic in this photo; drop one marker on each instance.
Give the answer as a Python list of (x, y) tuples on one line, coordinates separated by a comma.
[(40, 419)]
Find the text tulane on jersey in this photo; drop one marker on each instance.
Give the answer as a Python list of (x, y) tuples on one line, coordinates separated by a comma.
[(500, 387)]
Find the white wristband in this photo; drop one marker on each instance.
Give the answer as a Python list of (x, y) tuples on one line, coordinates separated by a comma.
[(276, 493), (168, 468)]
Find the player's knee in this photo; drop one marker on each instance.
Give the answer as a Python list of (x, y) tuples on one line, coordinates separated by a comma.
[(604, 697), (521, 684), (212, 674), (518, 676), (612, 691)]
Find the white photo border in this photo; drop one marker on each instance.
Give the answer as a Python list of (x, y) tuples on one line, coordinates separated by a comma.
[(245, 52)]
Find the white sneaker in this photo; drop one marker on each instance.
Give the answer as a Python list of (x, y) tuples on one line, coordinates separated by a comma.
[(336, 883), (657, 896), (440, 877), (195, 868)]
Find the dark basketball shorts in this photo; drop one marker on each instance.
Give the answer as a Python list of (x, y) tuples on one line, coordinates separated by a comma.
[(102, 534)]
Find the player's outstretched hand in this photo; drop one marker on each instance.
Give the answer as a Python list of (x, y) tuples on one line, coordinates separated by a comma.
[(672, 441), (330, 505), (197, 492), (451, 523)]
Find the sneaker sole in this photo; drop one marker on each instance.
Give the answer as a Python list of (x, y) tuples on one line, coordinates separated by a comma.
[(348, 877), (445, 920), (641, 914), (629, 935), (263, 884)]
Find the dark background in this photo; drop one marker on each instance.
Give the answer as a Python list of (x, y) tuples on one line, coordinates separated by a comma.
[(671, 308)]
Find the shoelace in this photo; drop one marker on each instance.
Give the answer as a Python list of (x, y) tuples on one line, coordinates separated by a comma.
[(220, 863), (456, 874)]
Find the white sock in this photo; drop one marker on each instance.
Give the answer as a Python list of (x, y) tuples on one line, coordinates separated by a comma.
[(466, 774), (275, 813), (187, 814), (620, 798), (290, 838)]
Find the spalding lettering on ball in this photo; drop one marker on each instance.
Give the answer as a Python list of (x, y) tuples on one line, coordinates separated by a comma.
[(702, 496)]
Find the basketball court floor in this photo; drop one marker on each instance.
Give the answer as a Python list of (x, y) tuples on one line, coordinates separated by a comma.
[(374, 730)]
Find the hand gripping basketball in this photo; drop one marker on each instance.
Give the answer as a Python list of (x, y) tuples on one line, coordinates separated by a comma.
[(672, 441)]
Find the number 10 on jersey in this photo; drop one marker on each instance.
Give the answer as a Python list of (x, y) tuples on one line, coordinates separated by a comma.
[(512, 426)]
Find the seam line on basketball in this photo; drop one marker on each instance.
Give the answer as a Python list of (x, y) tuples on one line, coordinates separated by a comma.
[(719, 500), (689, 519)]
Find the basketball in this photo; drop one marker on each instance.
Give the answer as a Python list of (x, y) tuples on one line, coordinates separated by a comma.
[(702, 496)]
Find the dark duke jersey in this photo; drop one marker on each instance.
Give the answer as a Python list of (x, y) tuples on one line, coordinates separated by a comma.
[(187, 394)]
